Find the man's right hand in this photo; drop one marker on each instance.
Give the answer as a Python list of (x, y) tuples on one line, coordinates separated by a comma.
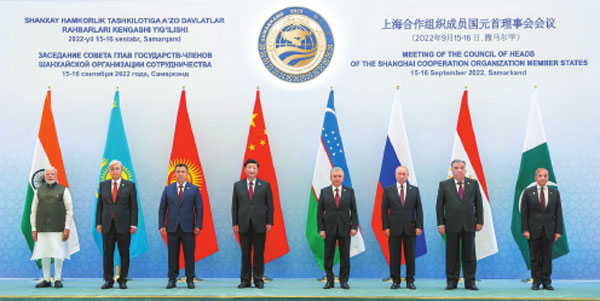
[(34, 235), (236, 228), (442, 229), (163, 231), (527, 235), (99, 228), (387, 232), (322, 234)]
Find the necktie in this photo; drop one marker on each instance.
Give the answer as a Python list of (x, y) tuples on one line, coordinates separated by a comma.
[(542, 198), (337, 198), (460, 190), (115, 192), (180, 192), (402, 194), (250, 190)]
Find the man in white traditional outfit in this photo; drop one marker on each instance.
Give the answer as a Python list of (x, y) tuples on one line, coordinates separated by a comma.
[(51, 216)]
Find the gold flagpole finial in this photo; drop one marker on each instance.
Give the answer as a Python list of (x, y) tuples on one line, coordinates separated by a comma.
[(257, 88), (465, 87), (331, 87), (397, 87), (535, 86), (48, 87), (183, 87), (117, 88)]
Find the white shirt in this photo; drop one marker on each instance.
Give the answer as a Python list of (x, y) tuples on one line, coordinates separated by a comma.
[(399, 186), (339, 188), (253, 184), (112, 185), (545, 193), (458, 186), (183, 186), (68, 209)]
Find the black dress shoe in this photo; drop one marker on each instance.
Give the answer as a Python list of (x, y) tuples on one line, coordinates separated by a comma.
[(172, 284), (345, 285), (123, 285), (395, 285), (411, 285), (191, 285), (259, 285), (472, 287), (450, 287), (549, 287), (107, 285), (535, 286), (44, 283), (328, 285), (58, 284), (244, 285)]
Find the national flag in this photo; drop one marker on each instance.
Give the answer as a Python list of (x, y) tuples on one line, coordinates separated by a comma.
[(535, 154), (116, 148), (184, 151), (330, 154), (465, 148), (45, 154), (257, 147), (395, 153)]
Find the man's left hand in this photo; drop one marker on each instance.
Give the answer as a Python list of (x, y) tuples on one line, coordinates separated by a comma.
[(132, 230), (478, 227), (418, 231), (269, 227), (196, 231), (352, 232), (65, 234), (556, 236)]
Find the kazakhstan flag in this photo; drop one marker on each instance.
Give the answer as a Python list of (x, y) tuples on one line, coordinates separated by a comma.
[(116, 148)]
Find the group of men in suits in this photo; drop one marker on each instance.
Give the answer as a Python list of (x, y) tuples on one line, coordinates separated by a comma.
[(459, 215)]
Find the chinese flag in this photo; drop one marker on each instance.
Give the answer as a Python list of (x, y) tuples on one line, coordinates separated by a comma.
[(184, 151), (257, 148)]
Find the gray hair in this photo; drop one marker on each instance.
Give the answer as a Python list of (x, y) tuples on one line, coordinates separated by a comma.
[(113, 162), (540, 170), (336, 169), (50, 168), (457, 161)]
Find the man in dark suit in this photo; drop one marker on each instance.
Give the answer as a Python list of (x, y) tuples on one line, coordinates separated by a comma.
[(180, 219), (252, 218), (116, 219), (337, 220), (402, 220), (459, 216), (542, 225)]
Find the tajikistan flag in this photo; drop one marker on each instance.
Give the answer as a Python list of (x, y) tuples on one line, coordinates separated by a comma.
[(330, 154), (46, 153), (465, 148), (535, 155)]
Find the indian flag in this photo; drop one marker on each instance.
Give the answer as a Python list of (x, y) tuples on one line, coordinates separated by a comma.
[(46, 153), (330, 154), (535, 154), (465, 148)]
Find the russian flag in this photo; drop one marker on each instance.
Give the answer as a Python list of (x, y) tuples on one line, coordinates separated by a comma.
[(396, 153)]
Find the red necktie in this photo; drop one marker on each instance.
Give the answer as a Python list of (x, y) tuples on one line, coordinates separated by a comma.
[(337, 198), (460, 190), (180, 192), (402, 194), (115, 193), (250, 190), (542, 198)]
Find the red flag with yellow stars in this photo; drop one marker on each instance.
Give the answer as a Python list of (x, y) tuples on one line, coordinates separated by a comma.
[(258, 148), (184, 151)]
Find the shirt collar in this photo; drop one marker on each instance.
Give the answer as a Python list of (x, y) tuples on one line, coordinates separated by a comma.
[(118, 182), (184, 183)]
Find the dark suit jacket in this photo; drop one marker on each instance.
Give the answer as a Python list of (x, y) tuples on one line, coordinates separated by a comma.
[(125, 208), (457, 214), (186, 213), (533, 218), (259, 209), (330, 218), (401, 219)]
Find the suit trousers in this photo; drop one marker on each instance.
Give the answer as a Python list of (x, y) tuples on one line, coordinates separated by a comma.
[(252, 266), (396, 244), (108, 242), (540, 254), (462, 242), (343, 239), (175, 240)]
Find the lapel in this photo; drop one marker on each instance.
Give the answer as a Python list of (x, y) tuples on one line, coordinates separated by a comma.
[(176, 192), (119, 191), (536, 198), (452, 186), (397, 196)]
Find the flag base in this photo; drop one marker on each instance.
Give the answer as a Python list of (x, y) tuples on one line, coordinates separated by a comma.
[(324, 279), (184, 279), (527, 280), (389, 279)]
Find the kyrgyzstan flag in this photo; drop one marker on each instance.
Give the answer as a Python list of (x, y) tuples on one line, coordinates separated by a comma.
[(184, 151), (258, 148)]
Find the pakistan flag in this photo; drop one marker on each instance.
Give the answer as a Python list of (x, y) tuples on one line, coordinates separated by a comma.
[(535, 155)]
